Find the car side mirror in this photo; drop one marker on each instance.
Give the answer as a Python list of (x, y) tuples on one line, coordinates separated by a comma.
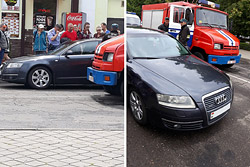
[(69, 52)]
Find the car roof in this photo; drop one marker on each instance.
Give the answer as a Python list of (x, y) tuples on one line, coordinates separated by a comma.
[(143, 31)]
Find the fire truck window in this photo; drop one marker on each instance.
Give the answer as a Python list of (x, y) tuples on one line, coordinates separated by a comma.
[(189, 16), (89, 47), (76, 50), (178, 14)]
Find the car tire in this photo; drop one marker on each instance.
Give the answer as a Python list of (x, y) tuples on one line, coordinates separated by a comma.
[(200, 55), (122, 88), (39, 78), (227, 65), (137, 107)]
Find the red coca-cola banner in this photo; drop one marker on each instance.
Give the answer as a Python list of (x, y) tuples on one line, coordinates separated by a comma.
[(74, 18)]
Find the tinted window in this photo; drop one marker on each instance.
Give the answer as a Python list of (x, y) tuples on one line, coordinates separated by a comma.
[(154, 46), (76, 50), (89, 47)]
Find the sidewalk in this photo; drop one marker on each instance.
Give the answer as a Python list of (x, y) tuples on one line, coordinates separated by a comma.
[(245, 54), (61, 148)]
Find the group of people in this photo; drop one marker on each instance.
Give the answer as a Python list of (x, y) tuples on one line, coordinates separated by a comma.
[(44, 42), (184, 34)]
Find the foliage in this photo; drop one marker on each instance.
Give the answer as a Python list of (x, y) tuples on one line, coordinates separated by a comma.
[(238, 10), (245, 46)]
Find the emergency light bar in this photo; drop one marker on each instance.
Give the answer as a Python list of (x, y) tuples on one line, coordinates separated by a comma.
[(209, 3), (131, 13)]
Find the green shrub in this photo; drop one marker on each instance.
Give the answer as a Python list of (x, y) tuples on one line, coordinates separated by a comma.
[(245, 46)]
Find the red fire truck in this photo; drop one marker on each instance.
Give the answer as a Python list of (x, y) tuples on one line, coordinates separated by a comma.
[(209, 40), (108, 66)]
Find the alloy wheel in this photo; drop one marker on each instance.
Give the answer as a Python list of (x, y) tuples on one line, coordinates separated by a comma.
[(136, 105), (40, 78)]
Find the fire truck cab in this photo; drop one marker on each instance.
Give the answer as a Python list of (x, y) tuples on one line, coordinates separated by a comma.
[(108, 66), (209, 40)]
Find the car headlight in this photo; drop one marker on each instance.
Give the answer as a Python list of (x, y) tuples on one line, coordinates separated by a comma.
[(14, 65), (217, 46), (108, 57), (176, 101)]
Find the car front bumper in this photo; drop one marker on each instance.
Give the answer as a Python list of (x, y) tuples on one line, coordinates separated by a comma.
[(188, 119), (98, 77), (13, 75), (215, 59)]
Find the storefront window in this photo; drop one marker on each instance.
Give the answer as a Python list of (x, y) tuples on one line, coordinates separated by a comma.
[(45, 13)]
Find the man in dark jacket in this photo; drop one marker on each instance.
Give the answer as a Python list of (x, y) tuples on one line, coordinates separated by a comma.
[(3, 41), (113, 33), (184, 34), (165, 25)]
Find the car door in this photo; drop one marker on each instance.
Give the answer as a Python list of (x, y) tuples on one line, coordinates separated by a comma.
[(72, 66), (176, 14)]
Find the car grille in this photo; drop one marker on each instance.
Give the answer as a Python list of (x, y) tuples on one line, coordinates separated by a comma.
[(183, 125), (230, 47), (210, 103)]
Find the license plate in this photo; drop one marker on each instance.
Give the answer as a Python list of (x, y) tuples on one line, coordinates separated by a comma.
[(220, 111), (91, 78), (231, 62)]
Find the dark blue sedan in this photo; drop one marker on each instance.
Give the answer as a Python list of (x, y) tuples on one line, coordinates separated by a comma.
[(170, 87), (65, 65)]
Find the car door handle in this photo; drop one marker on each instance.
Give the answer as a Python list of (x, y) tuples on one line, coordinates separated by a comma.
[(173, 30)]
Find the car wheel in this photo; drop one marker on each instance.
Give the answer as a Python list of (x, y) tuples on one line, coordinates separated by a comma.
[(200, 55), (39, 78), (122, 88), (137, 107), (227, 65)]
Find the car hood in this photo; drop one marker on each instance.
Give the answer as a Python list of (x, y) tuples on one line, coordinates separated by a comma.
[(221, 36), (189, 73), (30, 58)]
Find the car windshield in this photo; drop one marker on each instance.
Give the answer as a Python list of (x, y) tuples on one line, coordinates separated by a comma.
[(59, 48), (154, 46), (211, 18)]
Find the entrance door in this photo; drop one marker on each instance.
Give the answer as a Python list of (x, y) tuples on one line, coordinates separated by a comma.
[(176, 14)]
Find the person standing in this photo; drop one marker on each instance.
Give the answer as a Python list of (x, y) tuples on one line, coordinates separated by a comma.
[(104, 28), (70, 33), (98, 33), (3, 41), (165, 25), (79, 34), (113, 33), (86, 32), (40, 41), (184, 34), (54, 37), (7, 51)]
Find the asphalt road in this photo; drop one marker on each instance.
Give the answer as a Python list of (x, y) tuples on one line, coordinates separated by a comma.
[(62, 107), (225, 144)]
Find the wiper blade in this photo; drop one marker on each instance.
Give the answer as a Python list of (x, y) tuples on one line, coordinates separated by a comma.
[(145, 57)]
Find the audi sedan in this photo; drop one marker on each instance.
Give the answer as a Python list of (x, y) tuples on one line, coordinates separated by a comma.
[(170, 87), (65, 65)]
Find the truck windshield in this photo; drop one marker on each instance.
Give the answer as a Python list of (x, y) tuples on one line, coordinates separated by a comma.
[(154, 46), (211, 18)]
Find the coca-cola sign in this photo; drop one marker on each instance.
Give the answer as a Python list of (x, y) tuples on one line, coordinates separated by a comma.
[(74, 18)]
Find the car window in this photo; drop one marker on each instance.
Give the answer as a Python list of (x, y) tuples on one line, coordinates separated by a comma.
[(75, 50), (89, 47)]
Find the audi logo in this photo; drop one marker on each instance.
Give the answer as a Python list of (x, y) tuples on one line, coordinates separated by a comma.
[(220, 99)]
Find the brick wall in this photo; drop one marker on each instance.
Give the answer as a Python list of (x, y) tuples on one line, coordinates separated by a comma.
[(15, 45)]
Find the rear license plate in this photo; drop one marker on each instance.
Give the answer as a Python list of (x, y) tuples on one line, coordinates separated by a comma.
[(91, 78), (231, 62), (220, 111)]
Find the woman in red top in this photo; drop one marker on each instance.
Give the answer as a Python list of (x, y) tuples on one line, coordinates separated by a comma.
[(71, 34)]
